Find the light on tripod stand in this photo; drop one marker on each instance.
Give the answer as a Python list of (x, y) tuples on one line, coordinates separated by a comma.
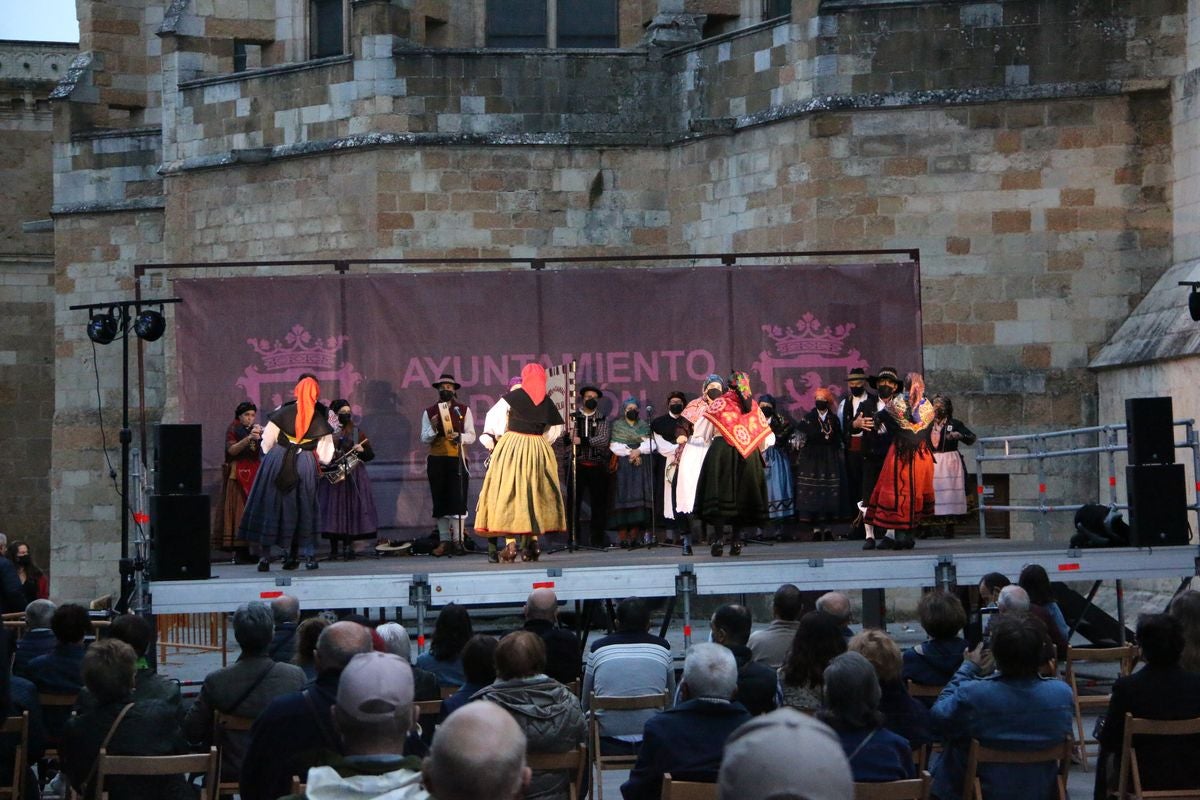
[(1193, 299), (103, 328), (149, 325)]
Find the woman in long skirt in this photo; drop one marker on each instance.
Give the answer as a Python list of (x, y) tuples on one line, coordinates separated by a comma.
[(520, 498), (242, 459), (781, 493), (348, 506), (819, 464), (634, 500), (949, 469), (689, 459)]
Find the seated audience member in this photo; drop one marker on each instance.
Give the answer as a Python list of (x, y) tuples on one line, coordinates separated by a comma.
[(1015, 600), (989, 596), (784, 755), (38, 639), (136, 632), (1036, 584), (1186, 608), (286, 611), (479, 668), (307, 634), (564, 659), (902, 714), (243, 689), (547, 711), (22, 696), (59, 670), (875, 753), (1160, 690), (630, 663), (372, 716), (477, 753), (143, 728), (689, 739), (934, 661), (450, 634), (770, 646), (837, 605), (1015, 709), (294, 732), (757, 687), (990, 586), (802, 677), (395, 638), (12, 593)]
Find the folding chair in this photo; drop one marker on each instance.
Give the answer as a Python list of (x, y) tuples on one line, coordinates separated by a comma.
[(571, 761), (184, 765), (448, 690), (687, 790), (978, 754), (224, 724), (1093, 703), (18, 727), (1131, 778), (56, 710), (910, 789), (600, 763), (925, 690)]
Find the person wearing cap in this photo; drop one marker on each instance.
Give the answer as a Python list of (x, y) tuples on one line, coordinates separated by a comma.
[(819, 465), (688, 739), (781, 492), (520, 497), (448, 427), (281, 510), (903, 495), (667, 431), (242, 458), (689, 459), (784, 754), (856, 413), (348, 506), (634, 482), (877, 442), (588, 436), (372, 716)]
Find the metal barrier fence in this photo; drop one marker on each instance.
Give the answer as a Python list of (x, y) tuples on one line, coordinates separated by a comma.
[(1036, 447), (205, 633)]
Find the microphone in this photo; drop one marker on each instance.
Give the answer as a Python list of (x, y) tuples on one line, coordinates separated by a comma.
[(649, 408)]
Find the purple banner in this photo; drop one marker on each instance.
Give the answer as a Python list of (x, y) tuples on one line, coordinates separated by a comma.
[(380, 341)]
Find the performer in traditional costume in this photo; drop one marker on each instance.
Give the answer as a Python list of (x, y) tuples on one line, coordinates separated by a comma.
[(904, 492), (781, 496), (282, 507), (633, 499), (732, 489), (689, 459), (242, 458), (347, 506), (520, 497), (665, 430), (448, 427), (819, 470), (587, 440), (877, 443), (856, 411), (949, 469)]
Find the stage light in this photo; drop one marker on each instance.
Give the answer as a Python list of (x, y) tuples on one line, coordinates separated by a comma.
[(149, 325), (1194, 305), (103, 328)]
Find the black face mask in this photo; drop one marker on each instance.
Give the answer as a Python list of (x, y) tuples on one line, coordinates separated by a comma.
[(676, 408), (940, 413), (445, 395), (822, 405), (767, 410), (24, 561), (857, 391), (344, 419), (591, 403), (631, 416), (885, 392), (713, 394)]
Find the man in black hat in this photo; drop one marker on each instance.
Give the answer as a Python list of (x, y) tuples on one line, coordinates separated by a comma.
[(856, 410), (877, 440), (668, 428), (448, 427), (589, 431)]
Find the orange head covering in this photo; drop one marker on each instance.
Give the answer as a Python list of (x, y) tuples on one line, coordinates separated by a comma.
[(306, 392), (533, 381), (823, 394)]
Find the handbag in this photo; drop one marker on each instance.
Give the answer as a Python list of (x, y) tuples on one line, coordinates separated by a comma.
[(612, 464)]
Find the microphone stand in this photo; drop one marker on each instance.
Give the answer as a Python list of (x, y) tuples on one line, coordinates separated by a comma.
[(573, 545)]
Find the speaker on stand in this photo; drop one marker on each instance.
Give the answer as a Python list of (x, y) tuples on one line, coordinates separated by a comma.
[(180, 518), (1155, 484), (177, 459)]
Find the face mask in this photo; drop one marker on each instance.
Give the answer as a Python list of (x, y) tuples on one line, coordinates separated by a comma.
[(23, 560), (822, 405), (885, 392), (767, 410), (344, 419), (857, 391), (631, 416), (445, 395), (591, 403), (940, 413), (713, 394), (676, 408)]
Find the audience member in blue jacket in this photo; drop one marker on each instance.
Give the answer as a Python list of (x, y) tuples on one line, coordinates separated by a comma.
[(450, 635), (852, 694), (38, 639), (934, 661), (1011, 709), (902, 714), (60, 670), (479, 668)]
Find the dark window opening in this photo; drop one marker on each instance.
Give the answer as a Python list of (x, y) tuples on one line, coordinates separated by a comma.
[(516, 23), (328, 26), (239, 55), (776, 8), (587, 23)]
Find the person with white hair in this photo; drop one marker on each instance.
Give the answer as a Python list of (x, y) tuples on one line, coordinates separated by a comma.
[(837, 605), (783, 755), (38, 639), (688, 740), (477, 752), (1015, 600), (395, 638)]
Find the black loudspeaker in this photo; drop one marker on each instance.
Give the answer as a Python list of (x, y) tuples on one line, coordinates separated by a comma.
[(179, 530), (1150, 433), (1157, 505), (177, 459)]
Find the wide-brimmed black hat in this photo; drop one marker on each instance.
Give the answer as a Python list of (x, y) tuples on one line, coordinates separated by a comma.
[(857, 374), (446, 377), (587, 387), (889, 373)]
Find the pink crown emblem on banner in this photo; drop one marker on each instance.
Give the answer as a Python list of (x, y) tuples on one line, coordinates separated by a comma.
[(809, 337), (299, 349)]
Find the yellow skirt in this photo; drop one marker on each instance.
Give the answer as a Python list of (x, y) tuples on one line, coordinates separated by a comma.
[(520, 493)]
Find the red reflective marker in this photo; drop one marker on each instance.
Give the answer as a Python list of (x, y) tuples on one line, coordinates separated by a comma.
[(270, 595), (543, 585), (1068, 567)]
